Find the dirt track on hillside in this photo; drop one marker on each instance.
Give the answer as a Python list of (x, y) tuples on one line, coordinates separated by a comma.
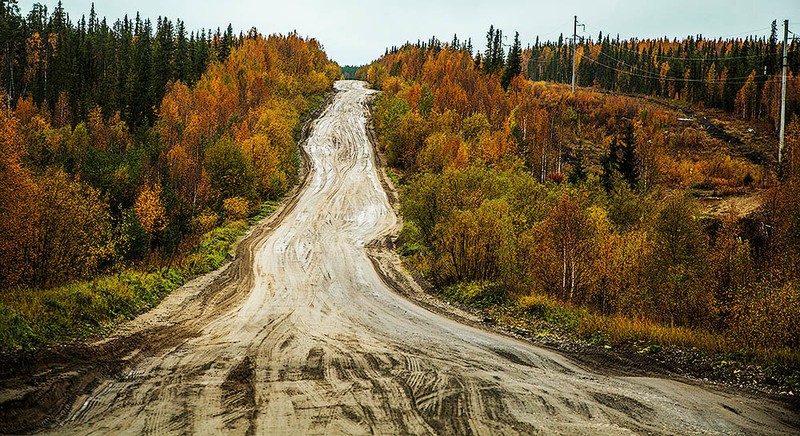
[(301, 335)]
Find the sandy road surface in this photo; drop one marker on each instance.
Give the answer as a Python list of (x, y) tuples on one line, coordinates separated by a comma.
[(309, 340)]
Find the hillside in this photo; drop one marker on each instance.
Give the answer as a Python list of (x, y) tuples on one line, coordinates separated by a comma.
[(642, 218)]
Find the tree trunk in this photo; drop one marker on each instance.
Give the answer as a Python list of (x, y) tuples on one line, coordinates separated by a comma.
[(572, 278), (563, 271)]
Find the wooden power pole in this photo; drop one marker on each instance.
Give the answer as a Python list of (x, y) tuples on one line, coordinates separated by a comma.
[(784, 65), (575, 50)]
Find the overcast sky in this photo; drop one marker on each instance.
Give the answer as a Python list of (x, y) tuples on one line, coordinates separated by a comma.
[(358, 31)]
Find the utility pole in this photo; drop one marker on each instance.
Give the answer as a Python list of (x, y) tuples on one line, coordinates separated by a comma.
[(575, 57), (575, 50), (784, 64)]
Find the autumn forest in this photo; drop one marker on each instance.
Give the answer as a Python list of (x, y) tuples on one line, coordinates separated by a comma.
[(647, 206), (521, 196), (125, 147)]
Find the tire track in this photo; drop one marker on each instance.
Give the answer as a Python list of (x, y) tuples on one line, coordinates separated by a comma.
[(304, 335)]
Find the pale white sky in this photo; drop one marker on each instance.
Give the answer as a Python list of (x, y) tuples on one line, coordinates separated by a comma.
[(358, 31)]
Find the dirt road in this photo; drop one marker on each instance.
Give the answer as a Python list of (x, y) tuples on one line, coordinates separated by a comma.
[(306, 338)]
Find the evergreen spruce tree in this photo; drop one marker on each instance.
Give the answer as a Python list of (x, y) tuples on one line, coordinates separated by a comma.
[(181, 63), (497, 51), (608, 164), (579, 171), (478, 61), (11, 47), (514, 63), (226, 44), (628, 162), (487, 56), (162, 59), (628, 166)]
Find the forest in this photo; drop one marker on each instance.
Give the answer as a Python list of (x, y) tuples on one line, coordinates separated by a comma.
[(124, 66), (739, 75), (131, 156), (211, 229), (520, 196)]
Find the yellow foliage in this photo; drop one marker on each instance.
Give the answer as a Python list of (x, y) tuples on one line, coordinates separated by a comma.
[(150, 210), (254, 98), (439, 152), (72, 230), (236, 208), (205, 222)]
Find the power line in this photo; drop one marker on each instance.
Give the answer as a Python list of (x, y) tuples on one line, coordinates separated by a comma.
[(684, 58), (728, 80), (654, 77), (700, 59), (648, 75), (746, 32), (715, 58)]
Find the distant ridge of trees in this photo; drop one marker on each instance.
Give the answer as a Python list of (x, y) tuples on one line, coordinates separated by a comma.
[(349, 71), (739, 75)]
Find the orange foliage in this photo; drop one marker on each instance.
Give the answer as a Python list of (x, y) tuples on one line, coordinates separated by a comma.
[(17, 195), (492, 195), (255, 97), (57, 224)]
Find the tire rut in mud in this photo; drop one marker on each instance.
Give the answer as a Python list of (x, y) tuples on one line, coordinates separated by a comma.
[(239, 397)]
